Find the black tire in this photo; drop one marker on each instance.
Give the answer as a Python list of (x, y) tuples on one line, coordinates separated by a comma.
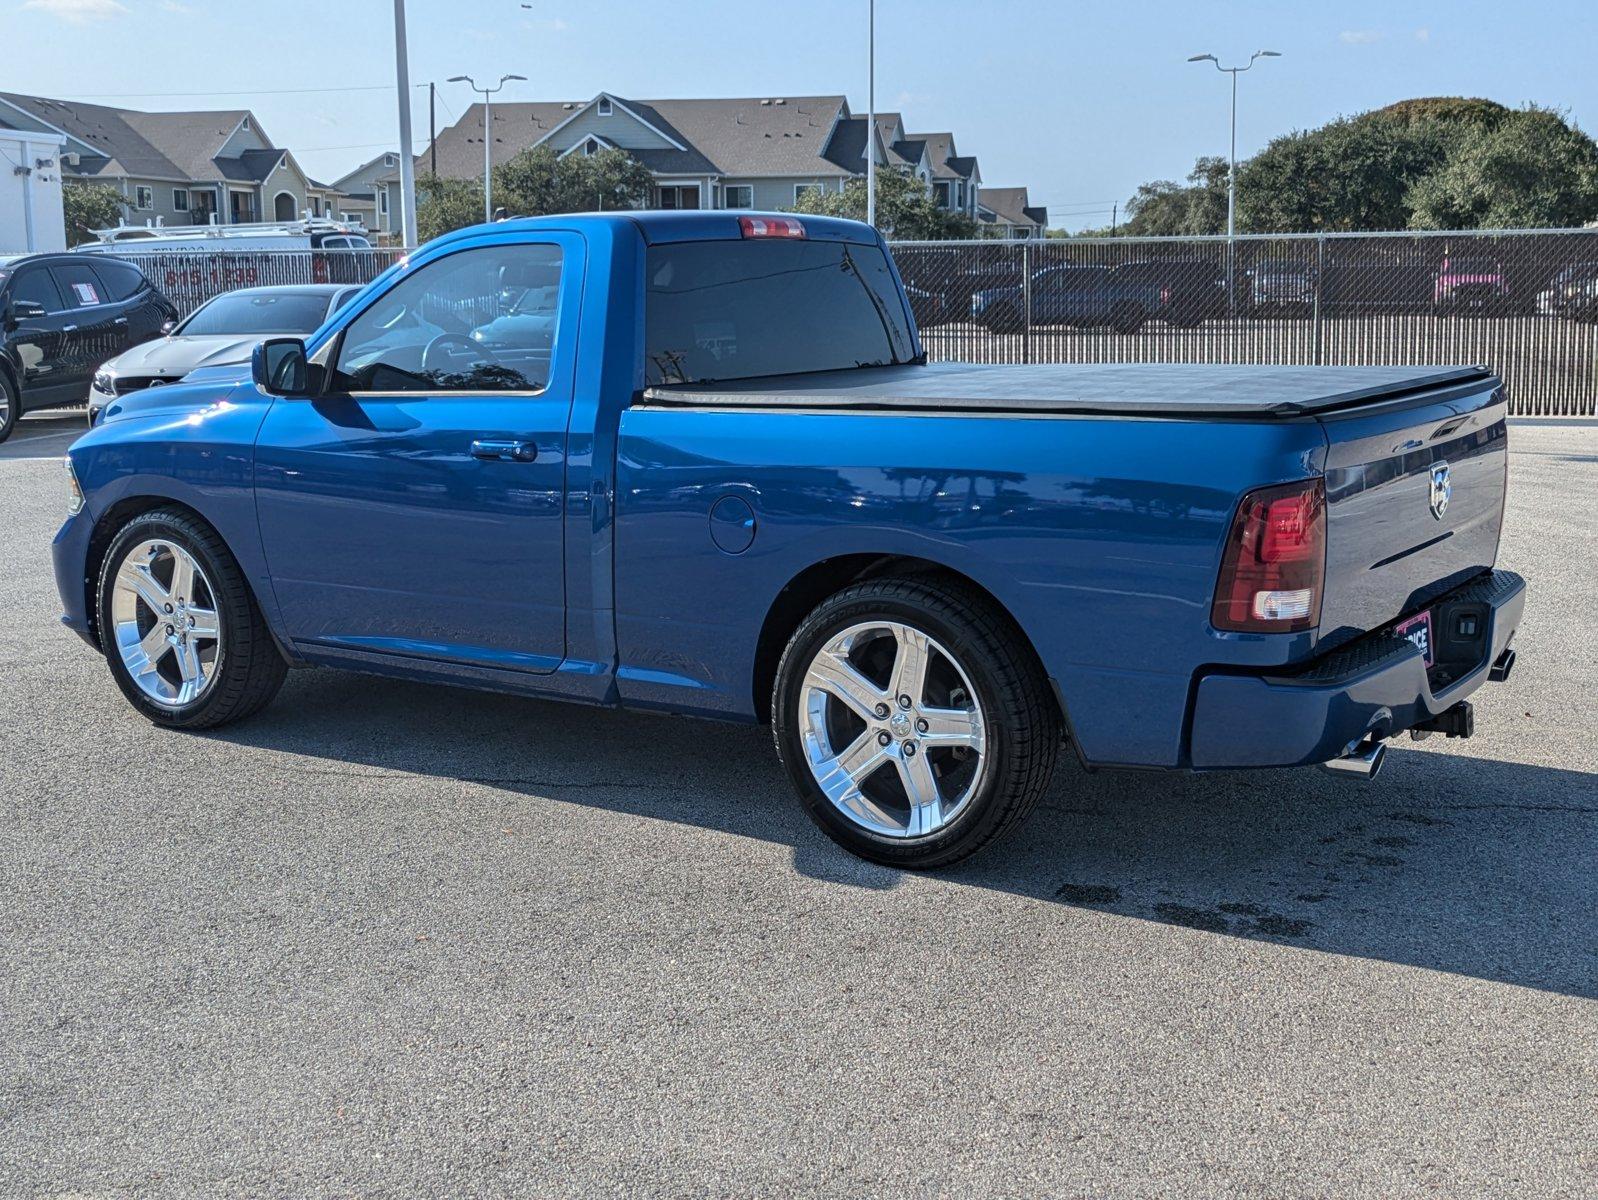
[(10, 406), (1127, 317), (1023, 730), (249, 668)]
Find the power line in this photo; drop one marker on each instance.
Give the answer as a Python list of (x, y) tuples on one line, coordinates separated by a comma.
[(376, 87)]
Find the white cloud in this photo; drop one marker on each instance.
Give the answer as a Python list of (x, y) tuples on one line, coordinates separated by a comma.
[(1423, 34), (1359, 37), (79, 12)]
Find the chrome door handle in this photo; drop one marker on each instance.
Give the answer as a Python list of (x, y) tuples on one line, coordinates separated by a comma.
[(505, 451), (120, 321)]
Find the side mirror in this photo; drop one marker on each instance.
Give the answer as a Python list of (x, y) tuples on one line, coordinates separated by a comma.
[(25, 310), (279, 367)]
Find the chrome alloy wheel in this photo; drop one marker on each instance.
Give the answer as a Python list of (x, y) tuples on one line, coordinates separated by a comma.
[(164, 623), (892, 729)]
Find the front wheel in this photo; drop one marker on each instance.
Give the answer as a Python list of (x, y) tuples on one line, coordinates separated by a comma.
[(914, 721), (182, 634)]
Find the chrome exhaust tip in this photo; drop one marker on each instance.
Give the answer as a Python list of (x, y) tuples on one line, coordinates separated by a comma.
[(1362, 761)]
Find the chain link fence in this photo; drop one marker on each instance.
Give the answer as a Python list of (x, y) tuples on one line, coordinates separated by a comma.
[(1523, 303), (191, 277)]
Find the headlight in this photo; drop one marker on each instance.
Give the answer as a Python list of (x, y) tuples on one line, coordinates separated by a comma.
[(105, 382), (74, 490)]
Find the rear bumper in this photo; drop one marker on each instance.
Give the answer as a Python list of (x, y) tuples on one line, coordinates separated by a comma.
[(1374, 687)]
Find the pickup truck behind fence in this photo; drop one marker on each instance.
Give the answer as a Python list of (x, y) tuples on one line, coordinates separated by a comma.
[(697, 462)]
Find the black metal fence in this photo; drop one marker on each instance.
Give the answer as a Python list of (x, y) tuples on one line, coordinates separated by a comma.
[(1523, 303), (191, 277)]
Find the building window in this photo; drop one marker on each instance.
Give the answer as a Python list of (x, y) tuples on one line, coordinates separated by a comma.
[(941, 190), (738, 195), (388, 160), (799, 189), (680, 196), (180, 199), (143, 197), (382, 201), (590, 147), (604, 106)]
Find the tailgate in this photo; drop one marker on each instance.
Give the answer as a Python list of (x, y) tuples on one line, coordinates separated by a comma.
[(1414, 502)]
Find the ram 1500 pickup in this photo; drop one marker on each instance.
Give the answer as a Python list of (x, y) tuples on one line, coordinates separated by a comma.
[(697, 462)]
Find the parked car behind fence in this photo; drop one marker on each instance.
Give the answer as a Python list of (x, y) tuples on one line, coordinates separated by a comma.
[(1522, 303)]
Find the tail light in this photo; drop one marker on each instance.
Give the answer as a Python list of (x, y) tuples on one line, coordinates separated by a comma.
[(1165, 295), (771, 227), (1274, 567), (318, 269)]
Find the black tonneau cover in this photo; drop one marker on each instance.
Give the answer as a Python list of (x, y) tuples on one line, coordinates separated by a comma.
[(1126, 389)]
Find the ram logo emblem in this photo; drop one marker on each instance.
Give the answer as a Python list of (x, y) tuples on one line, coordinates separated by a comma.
[(1442, 489)]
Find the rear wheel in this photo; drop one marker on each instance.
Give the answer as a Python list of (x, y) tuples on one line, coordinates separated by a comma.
[(913, 720), (10, 406), (1127, 317), (182, 634)]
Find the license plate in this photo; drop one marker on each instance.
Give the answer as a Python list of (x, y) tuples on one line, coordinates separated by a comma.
[(1418, 629)]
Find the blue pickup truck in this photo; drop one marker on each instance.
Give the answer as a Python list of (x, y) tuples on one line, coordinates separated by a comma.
[(697, 462)]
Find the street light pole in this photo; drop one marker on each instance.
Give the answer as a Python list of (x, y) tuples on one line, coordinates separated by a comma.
[(402, 82), (488, 134), (1231, 171), (871, 113), (1231, 159)]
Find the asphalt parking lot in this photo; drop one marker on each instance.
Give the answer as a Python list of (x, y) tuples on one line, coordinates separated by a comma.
[(394, 940)]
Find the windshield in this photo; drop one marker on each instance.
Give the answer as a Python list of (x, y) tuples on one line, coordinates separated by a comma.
[(258, 312), (736, 310)]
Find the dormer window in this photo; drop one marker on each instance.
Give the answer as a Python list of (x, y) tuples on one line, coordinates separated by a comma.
[(604, 106), (590, 146)]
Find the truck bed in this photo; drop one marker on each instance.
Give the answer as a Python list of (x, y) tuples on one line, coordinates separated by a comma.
[(1111, 389)]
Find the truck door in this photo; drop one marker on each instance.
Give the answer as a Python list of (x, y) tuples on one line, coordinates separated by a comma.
[(35, 316), (415, 508)]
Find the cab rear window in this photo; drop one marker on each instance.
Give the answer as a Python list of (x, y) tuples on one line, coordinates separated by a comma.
[(736, 310)]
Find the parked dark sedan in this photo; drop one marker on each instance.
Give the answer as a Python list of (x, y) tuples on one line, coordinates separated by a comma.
[(61, 316)]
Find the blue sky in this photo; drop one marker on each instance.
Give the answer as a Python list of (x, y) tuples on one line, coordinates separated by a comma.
[(1079, 101)]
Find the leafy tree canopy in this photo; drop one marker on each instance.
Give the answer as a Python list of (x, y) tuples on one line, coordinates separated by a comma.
[(1433, 163), (536, 182), (905, 208), (90, 206)]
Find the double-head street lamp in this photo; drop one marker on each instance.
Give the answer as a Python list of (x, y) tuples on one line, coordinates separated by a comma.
[(1231, 161), (488, 133)]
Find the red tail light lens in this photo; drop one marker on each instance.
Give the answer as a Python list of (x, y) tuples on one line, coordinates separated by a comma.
[(1274, 568), (771, 227)]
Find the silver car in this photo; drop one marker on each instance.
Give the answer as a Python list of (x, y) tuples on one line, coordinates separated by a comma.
[(223, 330)]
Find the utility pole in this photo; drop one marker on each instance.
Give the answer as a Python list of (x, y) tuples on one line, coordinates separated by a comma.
[(402, 81), (1115, 215), (871, 114), (432, 127)]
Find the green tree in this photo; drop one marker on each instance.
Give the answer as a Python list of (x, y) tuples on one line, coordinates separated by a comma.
[(1352, 174), (906, 208), (1166, 208), (90, 206), (1530, 170), (445, 205), (534, 183)]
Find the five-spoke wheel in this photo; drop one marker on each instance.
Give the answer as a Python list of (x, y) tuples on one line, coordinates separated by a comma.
[(164, 622), (181, 630), (914, 720)]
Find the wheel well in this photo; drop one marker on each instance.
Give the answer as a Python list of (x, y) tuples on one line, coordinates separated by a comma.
[(815, 583), (105, 530)]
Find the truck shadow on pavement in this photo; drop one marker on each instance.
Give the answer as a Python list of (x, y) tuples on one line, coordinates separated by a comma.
[(1448, 862)]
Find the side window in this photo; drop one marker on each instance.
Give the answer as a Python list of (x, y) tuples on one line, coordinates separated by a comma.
[(122, 280), (37, 286), (80, 286), (475, 321)]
